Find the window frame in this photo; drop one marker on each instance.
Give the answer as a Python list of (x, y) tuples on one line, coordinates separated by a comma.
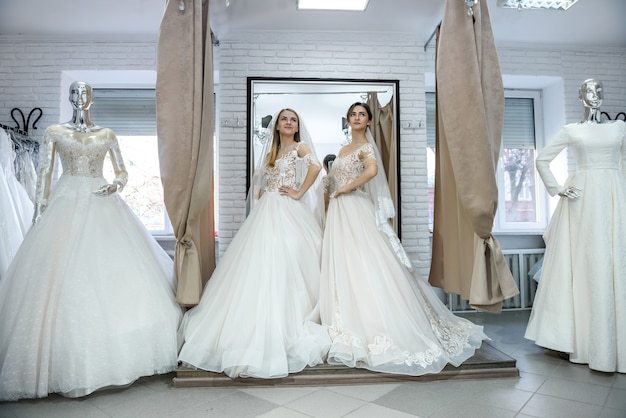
[(500, 225), (147, 129)]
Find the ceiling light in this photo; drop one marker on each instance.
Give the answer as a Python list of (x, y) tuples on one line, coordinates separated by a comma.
[(359, 5), (536, 4)]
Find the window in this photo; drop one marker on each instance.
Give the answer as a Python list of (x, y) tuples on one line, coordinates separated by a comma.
[(131, 114), (521, 208)]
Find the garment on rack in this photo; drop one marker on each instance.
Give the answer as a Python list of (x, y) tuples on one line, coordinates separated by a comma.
[(88, 301), (16, 208), (26, 153)]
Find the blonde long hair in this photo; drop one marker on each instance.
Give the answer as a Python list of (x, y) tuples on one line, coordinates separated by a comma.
[(273, 154)]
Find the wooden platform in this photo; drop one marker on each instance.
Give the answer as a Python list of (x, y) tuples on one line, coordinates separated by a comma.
[(487, 363)]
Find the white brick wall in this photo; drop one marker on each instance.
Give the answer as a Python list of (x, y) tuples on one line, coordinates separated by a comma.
[(30, 71), (30, 76)]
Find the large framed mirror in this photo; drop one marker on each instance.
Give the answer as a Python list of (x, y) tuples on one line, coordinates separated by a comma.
[(322, 104)]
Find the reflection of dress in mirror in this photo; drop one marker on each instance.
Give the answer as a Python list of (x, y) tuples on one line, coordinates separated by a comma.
[(381, 315), (258, 314), (88, 301), (580, 304)]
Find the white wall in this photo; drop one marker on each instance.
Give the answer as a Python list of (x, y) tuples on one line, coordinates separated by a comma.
[(32, 75)]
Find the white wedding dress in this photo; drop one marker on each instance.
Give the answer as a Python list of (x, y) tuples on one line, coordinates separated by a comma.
[(381, 315), (16, 208), (88, 300), (258, 313), (580, 304)]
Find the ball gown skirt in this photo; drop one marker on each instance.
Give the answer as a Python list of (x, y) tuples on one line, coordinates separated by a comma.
[(88, 301), (258, 314), (381, 315)]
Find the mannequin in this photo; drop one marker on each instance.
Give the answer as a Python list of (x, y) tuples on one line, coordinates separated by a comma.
[(580, 301), (88, 300), (81, 98)]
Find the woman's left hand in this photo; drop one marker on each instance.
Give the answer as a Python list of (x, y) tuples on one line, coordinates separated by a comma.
[(289, 191)]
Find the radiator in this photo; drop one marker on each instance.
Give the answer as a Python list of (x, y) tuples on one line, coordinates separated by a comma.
[(520, 263)]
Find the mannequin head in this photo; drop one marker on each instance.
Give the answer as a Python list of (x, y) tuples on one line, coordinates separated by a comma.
[(591, 93), (81, 95)]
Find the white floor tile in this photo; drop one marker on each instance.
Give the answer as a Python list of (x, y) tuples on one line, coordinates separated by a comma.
[(377, 411), (280, 395), (282, 412), (367, 393), (325, 404)]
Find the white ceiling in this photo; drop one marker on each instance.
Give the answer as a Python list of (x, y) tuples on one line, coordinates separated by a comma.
[(589, 23)]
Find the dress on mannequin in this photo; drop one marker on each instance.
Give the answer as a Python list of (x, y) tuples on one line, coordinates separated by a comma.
[(88, 300), (16, 208), (258, 313), (580, 304), (381, 314)]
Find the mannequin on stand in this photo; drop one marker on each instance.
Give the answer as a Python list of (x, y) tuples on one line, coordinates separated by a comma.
[(88, 301), (580, 304)]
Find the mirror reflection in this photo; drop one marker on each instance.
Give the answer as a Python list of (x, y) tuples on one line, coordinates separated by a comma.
[(322, 104)]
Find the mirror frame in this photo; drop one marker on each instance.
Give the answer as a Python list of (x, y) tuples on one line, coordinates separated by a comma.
[(252, 82)]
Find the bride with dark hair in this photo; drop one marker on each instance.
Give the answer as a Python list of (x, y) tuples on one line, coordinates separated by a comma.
[(381, 314)]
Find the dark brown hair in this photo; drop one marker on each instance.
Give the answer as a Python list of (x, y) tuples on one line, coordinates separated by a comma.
[(365, 105)]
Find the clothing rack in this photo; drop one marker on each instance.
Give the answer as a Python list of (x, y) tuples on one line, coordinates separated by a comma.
[(617, 116), (432, 35), (13, 129), (19, 134), (23, 127)]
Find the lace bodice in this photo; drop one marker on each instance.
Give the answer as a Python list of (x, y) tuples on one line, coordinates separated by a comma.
[(348, 167), (289, 170), (82, 155)]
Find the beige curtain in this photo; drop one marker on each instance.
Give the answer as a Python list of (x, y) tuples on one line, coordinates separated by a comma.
[(467, 259), (384, 135), (184, 99)]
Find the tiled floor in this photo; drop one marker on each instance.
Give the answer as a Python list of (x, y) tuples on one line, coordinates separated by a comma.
[(548, 386)]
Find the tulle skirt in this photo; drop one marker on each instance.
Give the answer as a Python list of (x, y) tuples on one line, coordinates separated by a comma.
[(88, 301), (382, 316), (258, 314), (16, 214)]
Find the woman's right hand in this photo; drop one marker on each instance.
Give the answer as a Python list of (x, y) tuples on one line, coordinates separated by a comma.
[(343, 190)]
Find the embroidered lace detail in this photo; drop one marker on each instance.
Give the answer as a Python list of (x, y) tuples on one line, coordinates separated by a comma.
[(289, 170), (453, 339), (380, 345), (453, 336), (347, 168), (82, 154), (351, 166)]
